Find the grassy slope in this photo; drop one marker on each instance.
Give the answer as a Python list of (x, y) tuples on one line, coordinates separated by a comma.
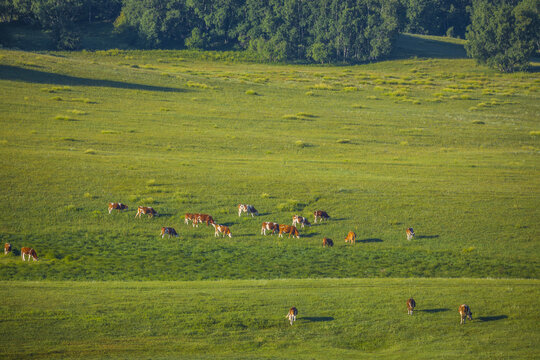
[(345, 319), (440, 145)]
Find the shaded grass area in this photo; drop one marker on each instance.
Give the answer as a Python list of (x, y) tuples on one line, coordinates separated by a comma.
[(347, 319)]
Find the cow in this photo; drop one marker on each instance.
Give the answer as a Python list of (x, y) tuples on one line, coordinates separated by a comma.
[(411, 304), (410, 233), (270, 226), (319, 214), (145, 210), (189, 217), (168, 231), (351, 237), (249, 209), (287, 229), (222, 229), (465, 312), (30, 252), (204, 218), (327, 242), (117, 206), (7, 248), (297, 219), (292, 315)]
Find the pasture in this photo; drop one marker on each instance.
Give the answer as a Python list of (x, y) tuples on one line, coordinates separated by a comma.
[(337, 318), (437, 144)]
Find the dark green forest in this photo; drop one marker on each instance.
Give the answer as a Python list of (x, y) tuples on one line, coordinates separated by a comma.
[(503, 34)]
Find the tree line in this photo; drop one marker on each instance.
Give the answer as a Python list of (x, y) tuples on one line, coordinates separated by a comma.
[(498, 31)]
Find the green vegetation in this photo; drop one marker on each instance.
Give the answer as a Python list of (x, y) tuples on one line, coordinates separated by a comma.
[(338, 319), (461, 178), (504, 34), (440, 145)]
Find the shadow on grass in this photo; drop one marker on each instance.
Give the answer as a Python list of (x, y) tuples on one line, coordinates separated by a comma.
[(317, 318), (309, 235), (371, 240), (492, 318), (410, 45), (434, 311), (15, 73), (427, 236)]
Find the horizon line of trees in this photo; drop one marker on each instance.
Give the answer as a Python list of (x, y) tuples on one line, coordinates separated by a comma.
[(501, 33)]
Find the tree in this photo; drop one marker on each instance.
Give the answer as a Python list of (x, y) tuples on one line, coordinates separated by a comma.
[(60, 17), (503, 34)]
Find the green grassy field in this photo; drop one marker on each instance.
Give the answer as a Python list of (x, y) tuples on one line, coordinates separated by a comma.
[(337, 319), (442, 146), (437, 144)]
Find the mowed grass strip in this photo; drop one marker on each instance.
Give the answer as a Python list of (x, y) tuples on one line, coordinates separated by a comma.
[(346, 319)]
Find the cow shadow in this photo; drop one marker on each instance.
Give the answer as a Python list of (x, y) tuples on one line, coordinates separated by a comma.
[(427, 236), (263, 214), (310, 235), (371, 240), (492, 318), (434, 311), (226, 223), (164, 215), (317, 318)]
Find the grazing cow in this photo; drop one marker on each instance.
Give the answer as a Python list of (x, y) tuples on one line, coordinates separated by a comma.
[(351, 237), (189, 217), (7, 248), (327, 242), (411, 304), (297, 219), (319, 214), (291, 230), (222, 229), (249, 209), (465, 312), (145, 210), (270, 226), (168, 231), (292, 315), (30, 252), (117, 206), (410, 233), (204, 218)]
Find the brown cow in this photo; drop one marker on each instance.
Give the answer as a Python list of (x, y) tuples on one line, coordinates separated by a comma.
[(297, 219), (249, 209), (293, 312), (287, 229), (270, 226), (222, 229), (465, 312), (145, 210), (320, 214), (411, 304), (410, 233), (351, 237), (204, 218), (117, 206), (7, 248), (30, 252), (189, 217), (327, 242), (168, 231)]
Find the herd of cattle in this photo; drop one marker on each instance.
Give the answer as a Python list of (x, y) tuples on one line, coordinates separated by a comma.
[(273, 227)]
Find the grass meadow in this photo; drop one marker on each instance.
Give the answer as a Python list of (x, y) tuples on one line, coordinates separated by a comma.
[(337, 319), (438, 144)]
